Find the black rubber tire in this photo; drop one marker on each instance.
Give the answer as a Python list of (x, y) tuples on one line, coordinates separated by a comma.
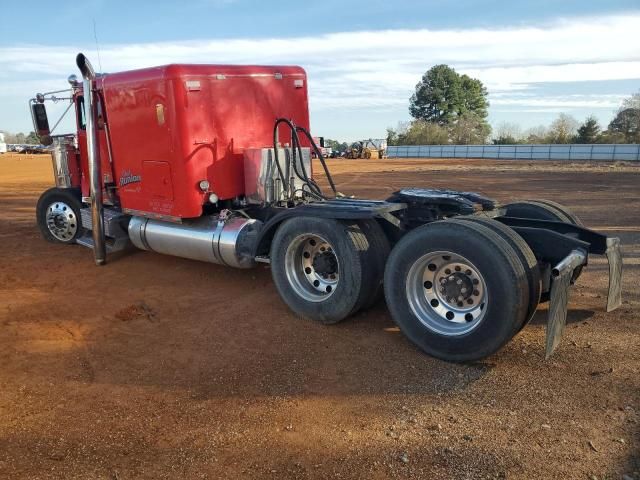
[(525, 254), (544, 210), (378, 252), (573, 218), (356, 282), (505, 278), (71, 197), (541, 210)]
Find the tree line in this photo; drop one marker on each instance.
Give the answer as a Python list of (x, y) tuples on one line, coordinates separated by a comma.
[(449, 108), (21, 138)]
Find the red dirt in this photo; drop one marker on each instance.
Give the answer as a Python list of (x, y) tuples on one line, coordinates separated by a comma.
[(159, 367)]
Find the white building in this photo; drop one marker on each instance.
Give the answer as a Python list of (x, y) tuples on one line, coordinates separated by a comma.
[(3, 146)]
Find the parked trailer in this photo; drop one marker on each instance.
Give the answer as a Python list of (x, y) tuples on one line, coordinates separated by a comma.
[(213, 163)]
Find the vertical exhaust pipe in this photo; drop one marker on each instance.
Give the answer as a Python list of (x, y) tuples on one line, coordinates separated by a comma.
[(93, 152)]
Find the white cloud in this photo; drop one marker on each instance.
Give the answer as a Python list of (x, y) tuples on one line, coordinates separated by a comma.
[(561, 102), (379, 69)]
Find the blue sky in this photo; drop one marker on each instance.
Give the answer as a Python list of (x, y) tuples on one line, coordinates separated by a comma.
[(363, 58)]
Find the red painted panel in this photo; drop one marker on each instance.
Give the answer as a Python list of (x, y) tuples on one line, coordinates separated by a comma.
[(158, 180), (187, 123)]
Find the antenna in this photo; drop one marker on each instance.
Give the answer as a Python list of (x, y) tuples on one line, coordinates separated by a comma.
[(95, 36)]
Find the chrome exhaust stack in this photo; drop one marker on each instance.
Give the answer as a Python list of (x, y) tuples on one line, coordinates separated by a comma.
[(93, 152)]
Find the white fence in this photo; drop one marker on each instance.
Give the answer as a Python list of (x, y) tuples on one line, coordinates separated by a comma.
[(608, 152)]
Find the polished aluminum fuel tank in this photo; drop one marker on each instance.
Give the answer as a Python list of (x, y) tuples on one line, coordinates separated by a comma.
[(262, 178), (225, 240), (63, 155)]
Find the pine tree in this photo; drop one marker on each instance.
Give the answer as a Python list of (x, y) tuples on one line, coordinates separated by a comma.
[(589, 131)]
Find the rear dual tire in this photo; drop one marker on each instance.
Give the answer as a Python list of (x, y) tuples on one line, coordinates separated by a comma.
[(424, 301), (326, 270), (526, 256), (541, 210)]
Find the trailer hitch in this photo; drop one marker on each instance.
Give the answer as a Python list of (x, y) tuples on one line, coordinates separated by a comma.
[(561, 277)]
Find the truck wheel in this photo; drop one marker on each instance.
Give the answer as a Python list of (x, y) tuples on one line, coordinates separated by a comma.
[(58, 215), (321, 268), (573, 218), (544, 210), (541, 210), (378, 252), (456, 289), (526, 256)]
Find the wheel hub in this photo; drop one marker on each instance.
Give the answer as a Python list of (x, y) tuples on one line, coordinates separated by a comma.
[(447, 293), (312, 267), (61, 221), (456, 288), (325, 263)]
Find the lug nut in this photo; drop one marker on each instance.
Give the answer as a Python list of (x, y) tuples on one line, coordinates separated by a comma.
[(460, 298), (463, 290), (458, 282), (451, 278)]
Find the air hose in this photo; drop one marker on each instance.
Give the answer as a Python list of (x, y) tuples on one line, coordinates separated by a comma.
[(313, 187), (320, 157)]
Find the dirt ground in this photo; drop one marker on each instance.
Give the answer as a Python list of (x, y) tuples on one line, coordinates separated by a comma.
[(159, 367)]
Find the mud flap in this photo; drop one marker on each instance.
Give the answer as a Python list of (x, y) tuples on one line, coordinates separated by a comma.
[(561, 274), (614, 297)]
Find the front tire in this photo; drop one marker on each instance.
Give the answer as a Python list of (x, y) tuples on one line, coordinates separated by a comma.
[(58, 215), (323, 268), (456, 289)]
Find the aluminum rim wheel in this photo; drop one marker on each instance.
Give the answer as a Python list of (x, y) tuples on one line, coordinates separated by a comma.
[(447, 293), (61, 221), (312, 267)]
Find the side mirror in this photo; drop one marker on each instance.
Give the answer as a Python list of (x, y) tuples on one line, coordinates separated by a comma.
[(40, 120)]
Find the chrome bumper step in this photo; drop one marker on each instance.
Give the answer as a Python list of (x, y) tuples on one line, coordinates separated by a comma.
[(116, 239)]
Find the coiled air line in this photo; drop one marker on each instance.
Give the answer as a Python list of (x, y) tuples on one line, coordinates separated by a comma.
[(296, 150)]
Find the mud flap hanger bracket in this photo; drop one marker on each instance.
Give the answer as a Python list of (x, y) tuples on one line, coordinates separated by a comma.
[(561, 276), (567, 247)]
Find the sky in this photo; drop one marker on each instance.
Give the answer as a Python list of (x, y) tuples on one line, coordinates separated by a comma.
[(363, 58)]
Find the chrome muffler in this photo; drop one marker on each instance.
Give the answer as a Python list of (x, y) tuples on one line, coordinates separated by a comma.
[(224, 240)]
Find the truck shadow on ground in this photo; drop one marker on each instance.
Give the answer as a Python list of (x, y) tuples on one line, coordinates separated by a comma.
[(249, 347), (573, 316)]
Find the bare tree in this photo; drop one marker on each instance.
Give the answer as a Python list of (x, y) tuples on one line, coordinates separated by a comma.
[(507, 133), (536, 134), (469, 129), (563, 129)]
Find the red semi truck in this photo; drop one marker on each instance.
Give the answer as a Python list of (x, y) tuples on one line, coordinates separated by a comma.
[(213, 163)]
